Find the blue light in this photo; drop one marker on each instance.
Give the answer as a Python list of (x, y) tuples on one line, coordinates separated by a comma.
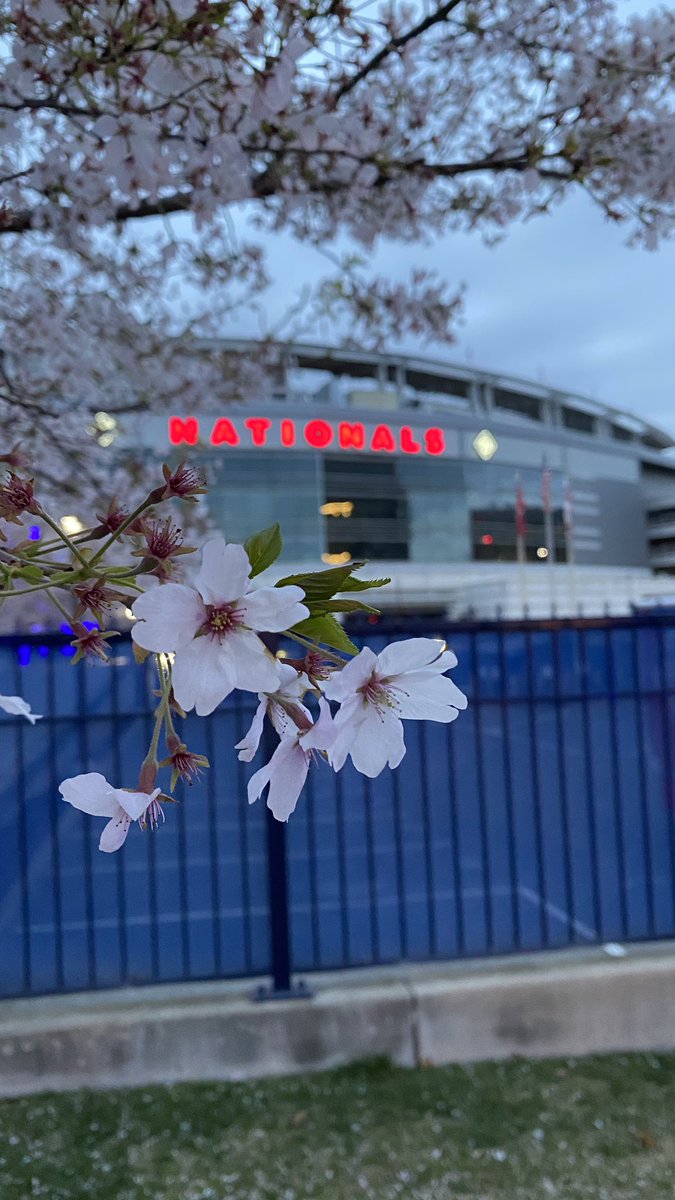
[(65, 629), (43, 651), (23, 655), (68, 651), (35, 533)]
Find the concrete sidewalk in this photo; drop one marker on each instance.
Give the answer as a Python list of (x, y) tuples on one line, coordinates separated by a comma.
[(564, 1003)]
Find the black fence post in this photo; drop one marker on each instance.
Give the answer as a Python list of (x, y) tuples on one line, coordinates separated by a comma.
[(282, 986)]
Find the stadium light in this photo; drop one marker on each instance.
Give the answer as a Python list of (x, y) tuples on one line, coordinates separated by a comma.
[(485, 444)]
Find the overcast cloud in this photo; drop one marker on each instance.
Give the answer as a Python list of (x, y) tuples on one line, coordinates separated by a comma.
[(562, 300)]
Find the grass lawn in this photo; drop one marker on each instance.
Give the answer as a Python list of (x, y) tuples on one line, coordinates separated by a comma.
[(599, 1127)]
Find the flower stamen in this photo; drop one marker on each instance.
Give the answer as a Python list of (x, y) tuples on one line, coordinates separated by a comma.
[(222, 620)]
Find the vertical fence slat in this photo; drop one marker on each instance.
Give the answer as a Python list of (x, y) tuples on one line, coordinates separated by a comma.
[(482, 800), (83, 733), (617, 791), (119, 863), (214, 853), (22, 833), (508, 795), (343, 894), (373, 915), (54, 824), (568, 875), (540, 865), (642, 784), (401, 891), (426, 827), (590, 787), (455, 851)]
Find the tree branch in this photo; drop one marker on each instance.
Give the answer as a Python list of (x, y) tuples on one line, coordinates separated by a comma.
[(393, 45), (266, 185)]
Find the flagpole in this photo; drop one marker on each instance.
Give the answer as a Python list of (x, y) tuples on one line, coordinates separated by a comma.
[(521, 531), (548, 511), (549, 539), (568, 522)]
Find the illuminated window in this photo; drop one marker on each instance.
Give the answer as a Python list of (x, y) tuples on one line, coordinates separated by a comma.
[(337, 508), (377, 528), (336, 559)]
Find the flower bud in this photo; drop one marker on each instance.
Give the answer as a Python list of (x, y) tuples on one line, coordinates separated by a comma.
[(185, 482)]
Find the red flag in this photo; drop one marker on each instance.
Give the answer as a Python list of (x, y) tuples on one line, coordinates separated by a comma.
[(521, 524)]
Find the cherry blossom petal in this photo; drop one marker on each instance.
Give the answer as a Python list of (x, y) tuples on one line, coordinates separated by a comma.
[(274, 609), (347, 721), (135, 803), (409, 655), (447, 660), (374, 742), (282, 722), (224, 573), (168, 617), (18, 707), (421, 696), (294, 683), (323, 731), (248, 745), (91, 793), (291, 682), (285, 773), (203, 675), (255, 669), (352, 676), (115, 833)]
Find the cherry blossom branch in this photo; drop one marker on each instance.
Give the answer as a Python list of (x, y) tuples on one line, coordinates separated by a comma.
[(393, 45)]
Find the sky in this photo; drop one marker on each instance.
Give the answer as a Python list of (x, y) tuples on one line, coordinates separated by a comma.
[(562, 300)]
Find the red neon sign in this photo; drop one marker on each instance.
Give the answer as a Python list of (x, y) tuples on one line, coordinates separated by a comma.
[(316, 433)]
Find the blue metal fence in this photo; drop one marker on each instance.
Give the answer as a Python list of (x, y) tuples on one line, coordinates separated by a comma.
[(544, 817)]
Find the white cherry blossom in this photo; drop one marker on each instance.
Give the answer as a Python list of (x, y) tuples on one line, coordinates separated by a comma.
[(92, 794), (16, 706), (292, 687), (406, 681), (212, 628), (286, 771)]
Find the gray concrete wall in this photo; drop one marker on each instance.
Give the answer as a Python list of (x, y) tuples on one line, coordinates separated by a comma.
[(552, 1004)]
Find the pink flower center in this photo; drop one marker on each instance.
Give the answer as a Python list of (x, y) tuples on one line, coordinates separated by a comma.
[(377, 692), (222, 620)]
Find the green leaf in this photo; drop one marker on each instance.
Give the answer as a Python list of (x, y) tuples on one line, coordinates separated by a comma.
[(263, 549), (326, 630), (345, 606), (321, 585), (362, 585)]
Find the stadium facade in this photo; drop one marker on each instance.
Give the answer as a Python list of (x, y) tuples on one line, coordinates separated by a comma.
[(474, 490)]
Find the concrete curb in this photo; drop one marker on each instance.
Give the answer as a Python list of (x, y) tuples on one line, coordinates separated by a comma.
[(545, 1005)]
